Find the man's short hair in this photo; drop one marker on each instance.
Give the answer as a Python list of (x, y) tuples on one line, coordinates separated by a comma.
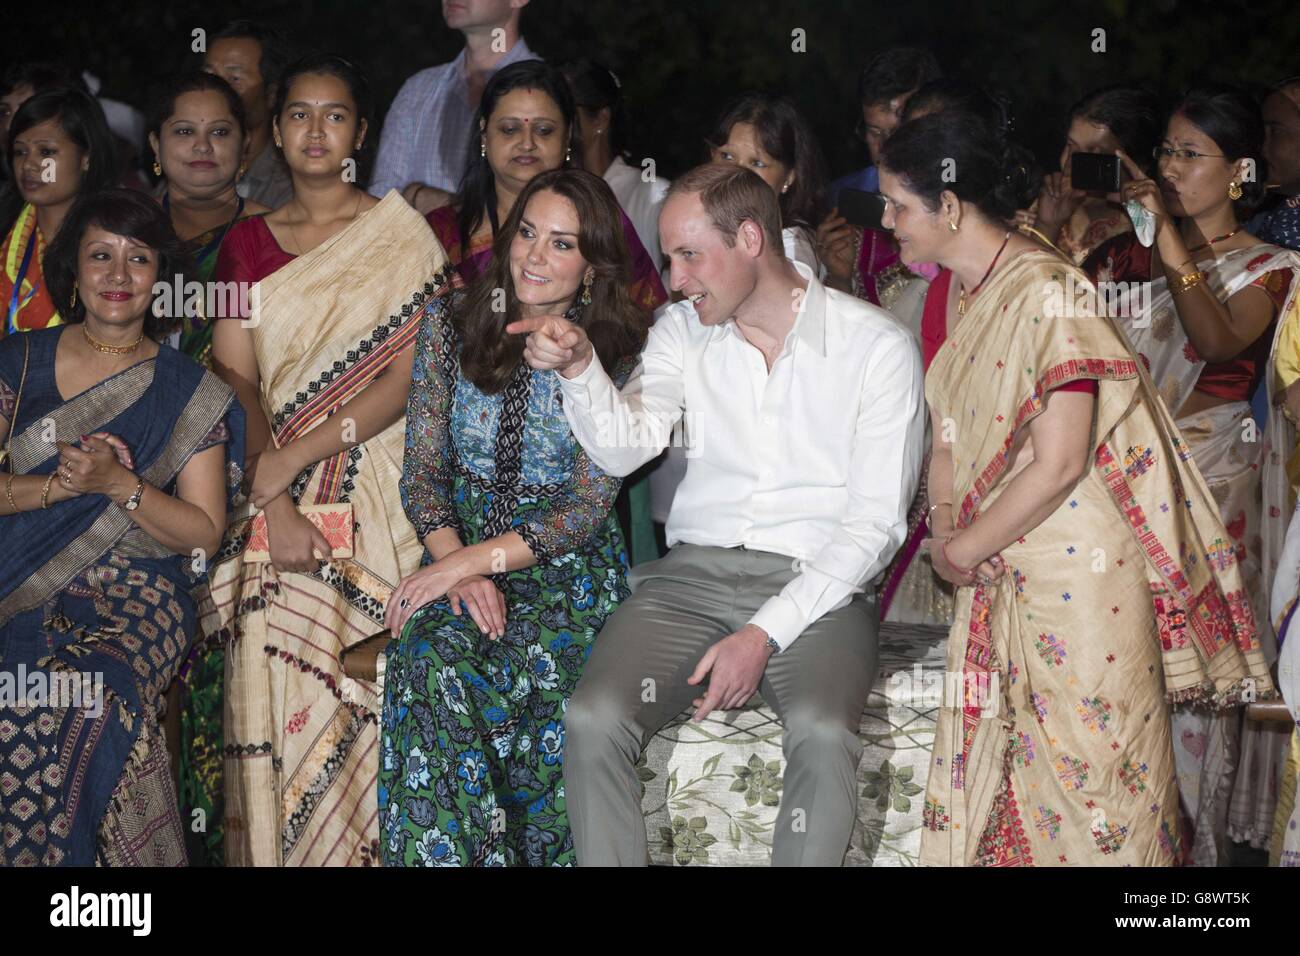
[(730, 195), (277, 51), (893, 72)]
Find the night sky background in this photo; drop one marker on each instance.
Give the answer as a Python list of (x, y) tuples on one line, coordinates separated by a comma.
[(680, 61)]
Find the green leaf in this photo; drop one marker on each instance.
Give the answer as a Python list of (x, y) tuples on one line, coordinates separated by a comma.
[(645, 774), (738, 785), (771, 799), (707, 839), (711, 764), (905, 773), (751, 797), (672, 782), (902, 804), (774, 767), (698, 823), (871, 791), (755, 762), (911, 789)]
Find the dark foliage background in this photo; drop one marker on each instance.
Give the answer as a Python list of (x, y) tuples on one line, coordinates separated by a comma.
[(680, 60)]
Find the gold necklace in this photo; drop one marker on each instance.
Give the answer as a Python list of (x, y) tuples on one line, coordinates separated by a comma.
[(111, 349)]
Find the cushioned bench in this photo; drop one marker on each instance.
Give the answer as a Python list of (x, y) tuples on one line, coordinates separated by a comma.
[(711, 789)]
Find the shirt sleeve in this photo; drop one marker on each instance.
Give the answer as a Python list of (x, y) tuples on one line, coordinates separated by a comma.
[(393, 164), (427, 463), (622, 429), (883, 475), (236, 262)]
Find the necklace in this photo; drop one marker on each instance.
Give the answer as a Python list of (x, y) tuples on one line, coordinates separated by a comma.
[(961, 299), (111, 349), (1206, 245)]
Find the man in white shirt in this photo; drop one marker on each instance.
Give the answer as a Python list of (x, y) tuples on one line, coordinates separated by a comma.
[(426, 137), (805, 412)]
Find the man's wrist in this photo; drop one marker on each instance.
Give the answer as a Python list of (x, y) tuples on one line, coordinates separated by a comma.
[(576, 368), (767, 641)]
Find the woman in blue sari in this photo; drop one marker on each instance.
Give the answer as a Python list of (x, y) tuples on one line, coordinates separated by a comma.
[(118, 496)]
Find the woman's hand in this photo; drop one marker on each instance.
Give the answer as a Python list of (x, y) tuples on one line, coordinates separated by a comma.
[(835, 247), (1057, 202), (986, 572), (120, 447), (275, 472), (94, 469), (414, 592), (1144, 190), (295, 543), (484, 601)]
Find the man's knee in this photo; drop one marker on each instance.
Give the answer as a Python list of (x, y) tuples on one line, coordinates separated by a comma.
[(813, 735), (600, 715)]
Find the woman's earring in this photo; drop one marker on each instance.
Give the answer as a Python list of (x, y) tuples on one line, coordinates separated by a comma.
[(586, 290), (567, 153), (1234, 191), (73, 306), (482, 149), (243, 168), (157, 168), (952, 225)]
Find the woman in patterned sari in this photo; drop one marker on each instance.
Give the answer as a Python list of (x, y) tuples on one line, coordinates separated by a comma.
[(197, 132), (322, 366), (59, 147), (517, 523), (118, 495), (1095, 582), (1216, 294)]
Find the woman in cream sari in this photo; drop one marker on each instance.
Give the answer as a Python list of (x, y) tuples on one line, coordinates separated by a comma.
[(323, 366), (1095, 583), (1206, 337)]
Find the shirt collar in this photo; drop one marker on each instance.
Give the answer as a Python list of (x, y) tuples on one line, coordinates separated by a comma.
[(519, 51), (809, 324)]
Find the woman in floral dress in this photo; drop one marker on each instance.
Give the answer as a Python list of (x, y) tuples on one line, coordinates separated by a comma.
[(525, 560)]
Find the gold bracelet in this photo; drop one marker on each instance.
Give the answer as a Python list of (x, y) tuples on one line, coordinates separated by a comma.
[(45, 492), (1189, 281), (9, 492), (939, 505)]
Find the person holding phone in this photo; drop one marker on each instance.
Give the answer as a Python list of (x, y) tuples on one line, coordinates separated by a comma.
[(1216, 294), (1079, 207)]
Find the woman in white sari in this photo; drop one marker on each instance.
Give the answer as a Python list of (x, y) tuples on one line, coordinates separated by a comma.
[(1201, 308), (323, 367)]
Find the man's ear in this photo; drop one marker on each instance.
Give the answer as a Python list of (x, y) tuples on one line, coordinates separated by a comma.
[(750, 235)]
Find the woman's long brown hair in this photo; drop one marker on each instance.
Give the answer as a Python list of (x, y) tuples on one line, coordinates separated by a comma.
[(615, 324)]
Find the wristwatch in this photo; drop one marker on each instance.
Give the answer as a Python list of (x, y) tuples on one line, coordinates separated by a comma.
[(134, 501)]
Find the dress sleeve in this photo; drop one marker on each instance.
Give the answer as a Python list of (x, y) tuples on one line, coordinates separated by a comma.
[(236, 259), (427, 463), (563, 523), (647, 289)]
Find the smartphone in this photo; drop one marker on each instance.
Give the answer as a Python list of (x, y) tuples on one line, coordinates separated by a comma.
[(1095, 172), (862, 208)]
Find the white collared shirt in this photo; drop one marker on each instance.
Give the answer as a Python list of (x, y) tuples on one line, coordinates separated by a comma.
[(817, 459)]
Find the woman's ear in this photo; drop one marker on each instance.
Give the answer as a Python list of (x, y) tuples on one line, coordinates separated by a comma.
[(275, 132), (950, 208), (157, 147), (361, 134)]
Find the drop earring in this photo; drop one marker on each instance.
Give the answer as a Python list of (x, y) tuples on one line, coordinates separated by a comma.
[(952, 225), (73, 306), (157, 168), (586, 291), (482, 150), (568, 152), (1234, 191)]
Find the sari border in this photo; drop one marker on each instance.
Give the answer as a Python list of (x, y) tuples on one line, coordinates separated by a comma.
[(104, 402), (210, 403)]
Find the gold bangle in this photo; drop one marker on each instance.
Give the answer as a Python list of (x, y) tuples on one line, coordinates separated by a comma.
[(939, 505), (45, 492), (1189, 281), (9, 492)]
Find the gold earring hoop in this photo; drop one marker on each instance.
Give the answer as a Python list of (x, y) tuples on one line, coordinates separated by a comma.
[(1234, 191)]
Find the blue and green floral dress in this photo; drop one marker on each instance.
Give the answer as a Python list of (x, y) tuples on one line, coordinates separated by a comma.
[(473, 729)]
